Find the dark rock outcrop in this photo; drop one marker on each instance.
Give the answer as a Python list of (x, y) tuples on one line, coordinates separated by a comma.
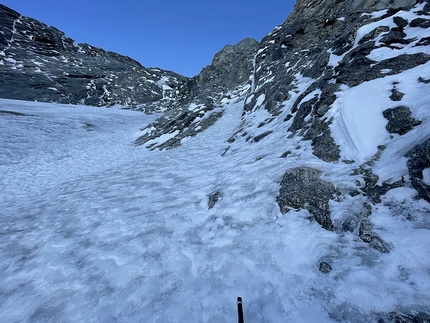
[(230, 67), (418, 160), (400, 120), (396, 95), (302, 188), (366, 234), (325, 267), (308, 9), (411, 318), (306, 44), (167, 131), (214, 198), (420, 22)]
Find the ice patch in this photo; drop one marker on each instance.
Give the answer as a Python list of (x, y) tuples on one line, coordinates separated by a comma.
[(260, 100), (194, 107), (162, 139), (358, 124), (383, 53), (37, 63), (379, 14), (249, 99), (334, 59), (10, 60), (363, 31), (401, 194), (262, 50), (426, 176)]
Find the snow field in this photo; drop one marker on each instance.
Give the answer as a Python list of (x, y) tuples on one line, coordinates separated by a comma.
[(94, 229)]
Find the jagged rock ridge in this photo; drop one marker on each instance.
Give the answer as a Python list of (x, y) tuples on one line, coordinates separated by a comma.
[(41, 63)]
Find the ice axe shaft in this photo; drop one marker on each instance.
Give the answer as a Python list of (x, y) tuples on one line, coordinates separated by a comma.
[(240, 309)]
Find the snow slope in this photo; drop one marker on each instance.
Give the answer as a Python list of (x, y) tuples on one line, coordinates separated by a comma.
[(94, 229), (359, 125)]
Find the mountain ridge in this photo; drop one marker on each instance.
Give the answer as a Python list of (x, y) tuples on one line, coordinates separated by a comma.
[(42, 63)]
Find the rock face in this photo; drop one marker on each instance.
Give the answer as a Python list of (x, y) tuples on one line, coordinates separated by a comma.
[(302, 188), (41, 63), (317, 41), (214, 198), (418, 161), (231, 66), (400, 120), (315, 9)]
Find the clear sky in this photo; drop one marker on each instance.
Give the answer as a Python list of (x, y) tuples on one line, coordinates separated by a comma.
[(181, 36)]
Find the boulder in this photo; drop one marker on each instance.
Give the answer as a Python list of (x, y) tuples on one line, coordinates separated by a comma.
[(325, 267), (419, 160), (396, 95), (420, 22), (302, 188), (400, 120), (214, 198)]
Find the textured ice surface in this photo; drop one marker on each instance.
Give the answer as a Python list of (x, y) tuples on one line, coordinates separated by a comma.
[(93, 229)]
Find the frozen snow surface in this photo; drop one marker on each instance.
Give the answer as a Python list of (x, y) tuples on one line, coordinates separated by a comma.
[(359, 125), (95, 229)]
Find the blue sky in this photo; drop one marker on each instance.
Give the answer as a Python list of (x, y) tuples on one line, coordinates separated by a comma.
[(182, 36)]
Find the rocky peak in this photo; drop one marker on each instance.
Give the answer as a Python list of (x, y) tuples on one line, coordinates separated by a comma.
[(231, 66), (228, 53)]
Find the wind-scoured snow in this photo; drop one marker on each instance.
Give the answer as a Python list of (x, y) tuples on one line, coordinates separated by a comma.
[(95, 229), (358, 124)]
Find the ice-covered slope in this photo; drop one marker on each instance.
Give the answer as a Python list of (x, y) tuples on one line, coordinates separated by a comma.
[(303, 187), (95, 229)]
